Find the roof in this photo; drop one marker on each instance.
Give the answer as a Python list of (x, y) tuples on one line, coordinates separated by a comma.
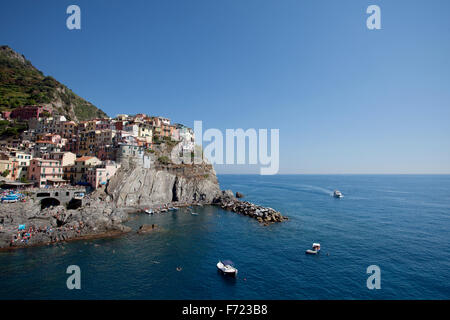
[(56, 180), (85, 158), (16, 183)]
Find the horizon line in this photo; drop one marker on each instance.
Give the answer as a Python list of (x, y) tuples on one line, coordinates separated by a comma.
[(373, 174)]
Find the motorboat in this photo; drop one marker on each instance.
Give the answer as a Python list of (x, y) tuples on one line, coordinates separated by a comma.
[(226, 267), (10, 198), (194, 213), (148, 211), (315, 249), (337, 194)]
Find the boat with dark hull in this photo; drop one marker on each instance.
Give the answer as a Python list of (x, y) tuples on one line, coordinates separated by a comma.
[(337, 194)]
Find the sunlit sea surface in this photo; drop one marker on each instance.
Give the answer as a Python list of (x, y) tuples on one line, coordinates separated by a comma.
[(400, 223)]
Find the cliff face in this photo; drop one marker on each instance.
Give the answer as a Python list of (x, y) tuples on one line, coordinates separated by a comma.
[(138, 187)]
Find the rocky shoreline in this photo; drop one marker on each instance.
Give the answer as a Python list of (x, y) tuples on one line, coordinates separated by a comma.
[(104, 211), (96, 219)]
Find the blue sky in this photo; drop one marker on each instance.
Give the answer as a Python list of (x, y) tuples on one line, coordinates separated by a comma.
[(346, 99)]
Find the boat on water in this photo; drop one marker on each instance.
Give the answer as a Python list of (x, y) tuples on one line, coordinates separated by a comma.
[(148, 211), (173, 209), (194, 213), (337, 194), (315, 249), (227, 268)]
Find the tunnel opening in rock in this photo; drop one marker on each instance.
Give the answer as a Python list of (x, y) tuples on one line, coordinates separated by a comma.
[(74, 204), (174, 193), (49, 202)]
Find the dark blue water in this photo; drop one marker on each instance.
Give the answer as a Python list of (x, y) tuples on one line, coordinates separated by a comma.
[(400, 223)]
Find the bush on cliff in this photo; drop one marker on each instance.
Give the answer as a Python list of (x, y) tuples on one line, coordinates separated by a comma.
[(164, 160)]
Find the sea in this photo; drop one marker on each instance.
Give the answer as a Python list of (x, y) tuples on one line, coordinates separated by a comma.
[(399, 223)]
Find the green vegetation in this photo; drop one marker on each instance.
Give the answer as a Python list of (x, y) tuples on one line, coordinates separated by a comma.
[(22, 84), (168, 141), (24, 180), (12, 129), (156, 139), (5, 173), (164, 160)]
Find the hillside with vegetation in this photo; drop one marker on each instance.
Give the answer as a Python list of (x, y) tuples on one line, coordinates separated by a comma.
[(22, 84)]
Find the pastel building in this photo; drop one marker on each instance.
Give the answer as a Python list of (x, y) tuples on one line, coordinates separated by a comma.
[(46, 172), (8, 168), (29, 112), (66, 158), (68, 129), (22, 160), (78, 173), (101, 174), (42, 147)]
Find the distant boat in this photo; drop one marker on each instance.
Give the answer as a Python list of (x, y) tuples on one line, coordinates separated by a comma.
[(148, 211), (194, 213), (173, 209), (315, 249), (226, 267), (337, 194)]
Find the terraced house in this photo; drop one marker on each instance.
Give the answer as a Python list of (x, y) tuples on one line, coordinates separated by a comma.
[(46, 172)]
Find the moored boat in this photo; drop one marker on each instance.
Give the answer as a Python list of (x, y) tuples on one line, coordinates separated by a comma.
[(315, 249), (226, 267)]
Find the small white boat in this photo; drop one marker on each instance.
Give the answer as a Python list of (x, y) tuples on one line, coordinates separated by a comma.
[(226, 267), (315, 249), (194, 213), (337, 194), (148, 211)]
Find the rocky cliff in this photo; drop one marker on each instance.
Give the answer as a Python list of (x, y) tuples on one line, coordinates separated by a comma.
[(136, 186), (94, 219)]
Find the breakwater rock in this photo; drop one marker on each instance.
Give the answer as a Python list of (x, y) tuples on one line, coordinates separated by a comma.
[(264, 215)]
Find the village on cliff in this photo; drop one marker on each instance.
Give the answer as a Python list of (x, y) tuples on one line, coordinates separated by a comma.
[(55, 152)]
